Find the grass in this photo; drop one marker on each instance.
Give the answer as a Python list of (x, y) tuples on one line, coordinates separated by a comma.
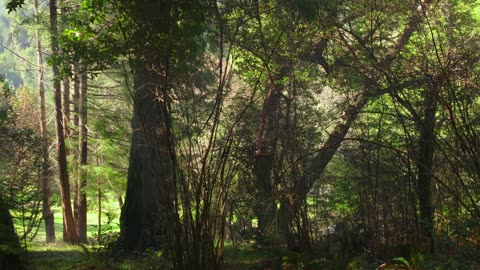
[(110, 222), (55, 256), (59, 255), (249, 257)]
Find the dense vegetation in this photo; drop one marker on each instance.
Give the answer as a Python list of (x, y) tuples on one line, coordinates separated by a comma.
[(240, 134)]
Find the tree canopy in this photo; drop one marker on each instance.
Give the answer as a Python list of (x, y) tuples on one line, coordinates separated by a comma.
[(346, 130)]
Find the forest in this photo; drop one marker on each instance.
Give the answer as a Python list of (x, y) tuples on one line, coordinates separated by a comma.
[(240, 134)]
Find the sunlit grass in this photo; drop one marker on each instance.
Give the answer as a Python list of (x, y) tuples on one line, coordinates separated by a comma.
[(109, 221)]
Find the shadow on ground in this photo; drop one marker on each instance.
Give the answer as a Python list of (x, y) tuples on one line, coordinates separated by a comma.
[(47, 260)]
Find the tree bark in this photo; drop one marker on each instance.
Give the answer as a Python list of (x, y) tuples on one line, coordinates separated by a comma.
[(9, 257), (66, 106), (149, 216), (149, 193), (75, 135), (71, 235), (265, 144), (330, 147), (81, 195), (45, 172), (425, 166)]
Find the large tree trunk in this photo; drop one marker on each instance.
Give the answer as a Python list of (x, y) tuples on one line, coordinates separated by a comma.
[(45, 172), (70, 231), (149, 218), (150, 174), (9, 243), (265, 144), (425, 167), (81, 196)]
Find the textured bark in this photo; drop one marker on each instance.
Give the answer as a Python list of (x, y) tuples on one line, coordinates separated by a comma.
[(66, 106), (425, 167), (149, 196), (45, 172), (75, 135), (81, 196), (71, 235), (265, 143), (149, 218)]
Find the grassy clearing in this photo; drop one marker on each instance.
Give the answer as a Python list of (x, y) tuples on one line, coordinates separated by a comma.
[(60, 255), (110, 222)]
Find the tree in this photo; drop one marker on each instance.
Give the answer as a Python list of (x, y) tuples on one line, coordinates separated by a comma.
[(150, 188), (70, 232), (47, 212), (81, 196), (11, 154)]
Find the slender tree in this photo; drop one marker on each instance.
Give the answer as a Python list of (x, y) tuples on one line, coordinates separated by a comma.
[(81, 195), (45, 173), (70, 231)]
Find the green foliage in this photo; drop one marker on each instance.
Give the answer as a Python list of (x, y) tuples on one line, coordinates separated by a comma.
[(359, 263), (106, 244), (321, 55), (19, 179), (13, 5)]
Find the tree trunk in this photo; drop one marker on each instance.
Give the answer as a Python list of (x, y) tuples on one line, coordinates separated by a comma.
[(71, 235), (150, 194), (45, 172), (149, 216), (66, 106), (81, 218), (330, 147), (99, 217), (9, 243), (267, 136), (75, 134), (425, 167)]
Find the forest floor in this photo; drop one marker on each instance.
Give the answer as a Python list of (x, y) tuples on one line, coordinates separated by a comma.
[(64, 256), (42, 256)]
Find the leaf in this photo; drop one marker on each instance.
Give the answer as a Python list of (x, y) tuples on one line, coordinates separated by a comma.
[(13, 5), (401, 261)]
